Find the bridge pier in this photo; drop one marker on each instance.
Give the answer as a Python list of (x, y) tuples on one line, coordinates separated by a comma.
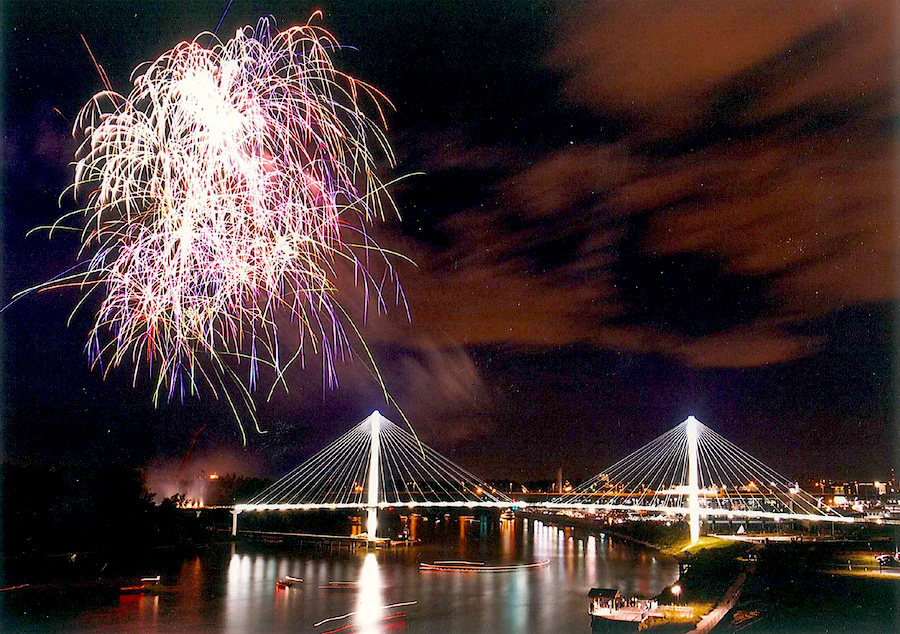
[(234, 516)]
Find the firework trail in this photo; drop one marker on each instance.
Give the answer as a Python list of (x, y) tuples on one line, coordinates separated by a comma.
[(219, 195)]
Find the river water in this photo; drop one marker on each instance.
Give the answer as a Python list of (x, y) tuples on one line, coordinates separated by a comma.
[(230, 588)]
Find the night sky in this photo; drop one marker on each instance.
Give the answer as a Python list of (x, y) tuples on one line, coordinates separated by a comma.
[(623, 212)]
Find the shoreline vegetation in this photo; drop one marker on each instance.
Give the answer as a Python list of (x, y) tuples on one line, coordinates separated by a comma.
[(63, 510)]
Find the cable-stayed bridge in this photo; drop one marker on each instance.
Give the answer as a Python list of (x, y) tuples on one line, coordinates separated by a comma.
[(689, 471), (692, 471), (376, 465)]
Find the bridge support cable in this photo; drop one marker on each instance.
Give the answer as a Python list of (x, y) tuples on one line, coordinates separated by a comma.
[(693, 471)]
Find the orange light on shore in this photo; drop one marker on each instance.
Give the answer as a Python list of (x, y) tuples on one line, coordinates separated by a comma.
[(213, 476)]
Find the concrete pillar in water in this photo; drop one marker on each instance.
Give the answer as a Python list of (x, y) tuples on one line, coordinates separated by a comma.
[(234, 516)]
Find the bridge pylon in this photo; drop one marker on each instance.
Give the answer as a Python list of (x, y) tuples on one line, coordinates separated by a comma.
[(374, 421), (693, 472), (693, 480)]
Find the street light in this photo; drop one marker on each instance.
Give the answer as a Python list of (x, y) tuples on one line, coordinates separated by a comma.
[(676, 590)]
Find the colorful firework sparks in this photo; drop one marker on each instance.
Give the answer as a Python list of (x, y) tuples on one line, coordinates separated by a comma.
[(219, 195)]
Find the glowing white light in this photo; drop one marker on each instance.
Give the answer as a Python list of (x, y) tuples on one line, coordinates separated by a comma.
[(693, 479), (374, 464)]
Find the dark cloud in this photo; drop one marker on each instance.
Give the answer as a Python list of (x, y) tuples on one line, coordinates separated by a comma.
[(753, 188), (442, 393)]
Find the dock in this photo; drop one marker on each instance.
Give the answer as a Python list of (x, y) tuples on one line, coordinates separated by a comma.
[(317, 542)]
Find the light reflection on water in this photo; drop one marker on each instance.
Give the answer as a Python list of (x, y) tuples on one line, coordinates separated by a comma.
[(369, 606), (232, 590)]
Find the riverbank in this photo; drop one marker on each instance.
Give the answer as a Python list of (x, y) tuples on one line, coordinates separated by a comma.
[(796, 586), (801, 587), (590, 525), (712, 571), (671, 539)]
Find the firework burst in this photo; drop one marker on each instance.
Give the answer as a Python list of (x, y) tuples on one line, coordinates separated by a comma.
[(221, 196)]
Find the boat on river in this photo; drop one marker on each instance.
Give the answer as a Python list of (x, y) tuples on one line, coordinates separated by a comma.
[(340, 585), (288, 582), (478, 566), (608, 604)]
